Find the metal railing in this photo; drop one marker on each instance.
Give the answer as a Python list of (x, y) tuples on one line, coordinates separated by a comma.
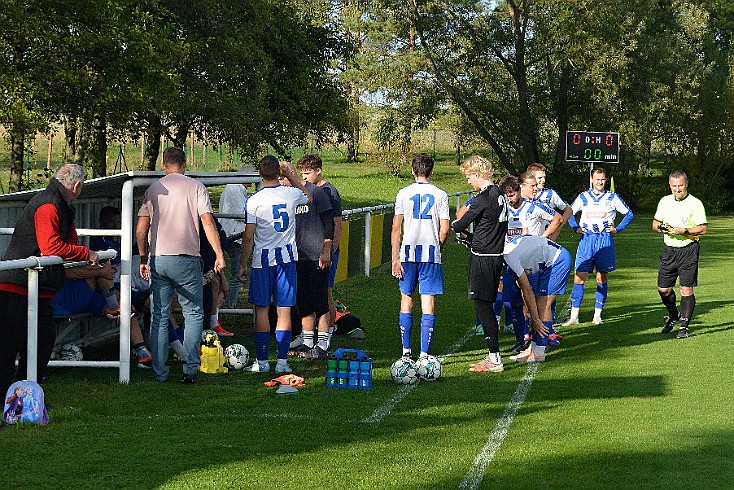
[(34, 265)]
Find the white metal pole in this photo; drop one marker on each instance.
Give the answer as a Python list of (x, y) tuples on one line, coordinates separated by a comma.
[(126, 252), (367, 242), (32, 348)]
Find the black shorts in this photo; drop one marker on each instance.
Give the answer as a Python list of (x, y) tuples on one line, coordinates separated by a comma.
[(484, 277), (679, 262), (312, 295)]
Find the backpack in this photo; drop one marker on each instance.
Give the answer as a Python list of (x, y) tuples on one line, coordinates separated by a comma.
[(24, 403)]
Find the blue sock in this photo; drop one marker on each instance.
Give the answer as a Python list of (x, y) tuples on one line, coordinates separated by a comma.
[(427, 323), (283, 339), (601, 294), (262, 341), (553, 309), (541, 341), (551, 330), (577, 295), (405, 320), (519, 323), (497, 307), (508, 313)]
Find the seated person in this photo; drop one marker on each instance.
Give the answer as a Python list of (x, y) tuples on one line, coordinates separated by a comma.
[(90, 289)]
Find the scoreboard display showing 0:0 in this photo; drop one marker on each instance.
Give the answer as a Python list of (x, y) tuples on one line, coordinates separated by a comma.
[(592, 147)]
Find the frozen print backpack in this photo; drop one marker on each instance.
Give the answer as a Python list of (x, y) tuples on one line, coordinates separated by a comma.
[(24, 403)]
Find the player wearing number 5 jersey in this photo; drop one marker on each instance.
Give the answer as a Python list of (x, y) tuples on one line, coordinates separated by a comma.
[(270, 237), (599, 209), (422, 213)]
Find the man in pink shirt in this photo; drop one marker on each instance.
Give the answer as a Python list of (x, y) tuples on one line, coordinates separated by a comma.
[(168, 239)]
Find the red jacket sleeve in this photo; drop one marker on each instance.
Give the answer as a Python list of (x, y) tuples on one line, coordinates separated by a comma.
[(49, 239)]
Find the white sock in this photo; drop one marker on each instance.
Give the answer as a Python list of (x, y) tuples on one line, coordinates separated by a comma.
[(111, 299), (538, 350), (283, 362), (213, 321), (177, 347), (597, 312), (495, 357), (308, 338), (575, 312), (324, 340)]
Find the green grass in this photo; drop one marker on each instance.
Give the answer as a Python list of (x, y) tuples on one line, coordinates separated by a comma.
[(618, 405)]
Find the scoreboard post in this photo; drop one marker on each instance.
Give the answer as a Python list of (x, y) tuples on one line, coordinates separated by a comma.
[(592, 147)]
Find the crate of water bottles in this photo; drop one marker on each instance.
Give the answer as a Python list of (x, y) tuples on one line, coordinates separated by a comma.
[(349, 368)]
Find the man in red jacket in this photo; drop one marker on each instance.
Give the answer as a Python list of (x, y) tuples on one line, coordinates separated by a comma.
[(45, 227)]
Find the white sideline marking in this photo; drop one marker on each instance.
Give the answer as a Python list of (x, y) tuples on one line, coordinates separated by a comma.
[(476, 473), (387, 407)]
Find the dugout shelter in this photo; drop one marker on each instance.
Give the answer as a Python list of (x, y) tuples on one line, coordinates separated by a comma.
[(124, 191)]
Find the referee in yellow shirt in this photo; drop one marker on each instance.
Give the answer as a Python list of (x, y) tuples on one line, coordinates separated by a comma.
[(682, 219)]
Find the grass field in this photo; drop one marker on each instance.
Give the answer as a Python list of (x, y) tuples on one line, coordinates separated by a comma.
[(617, 405)]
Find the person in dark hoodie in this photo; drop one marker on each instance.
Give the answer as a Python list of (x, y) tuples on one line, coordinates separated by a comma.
[(46, 226)]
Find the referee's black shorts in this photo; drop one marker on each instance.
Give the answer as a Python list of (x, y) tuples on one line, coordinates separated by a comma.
[(679, 262), (484, 277)]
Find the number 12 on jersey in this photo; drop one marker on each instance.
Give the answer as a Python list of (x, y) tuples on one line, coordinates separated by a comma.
[(422, 205)]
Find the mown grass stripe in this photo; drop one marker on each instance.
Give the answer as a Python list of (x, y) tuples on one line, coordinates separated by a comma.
[(476, 473), (383, 410)]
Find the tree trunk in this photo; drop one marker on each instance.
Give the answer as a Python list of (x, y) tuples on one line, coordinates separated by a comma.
[(152, 143), (181, 135), (99, 148), (17, 153), (76, 140)]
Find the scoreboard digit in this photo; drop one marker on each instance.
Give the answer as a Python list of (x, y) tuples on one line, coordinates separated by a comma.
[(592, 147)]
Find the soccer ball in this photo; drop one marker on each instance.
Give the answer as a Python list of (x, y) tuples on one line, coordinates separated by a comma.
[(70, 352), (429, 368), (404, 372), (237, 356), (209, 338)]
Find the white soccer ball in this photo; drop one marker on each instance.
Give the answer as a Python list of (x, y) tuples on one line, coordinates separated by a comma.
[(237, 356), (404, 372), (70, 352), (429, 368)]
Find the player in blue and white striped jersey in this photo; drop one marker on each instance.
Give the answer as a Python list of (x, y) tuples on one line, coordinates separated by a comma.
[(271, 232), (549, 197), (533, 255), (599, 209), (422, 213), (526, 216)]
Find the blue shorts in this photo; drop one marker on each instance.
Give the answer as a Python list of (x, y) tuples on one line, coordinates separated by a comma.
[(77, 297), (552, 281), (596, 250), (275, 284), (427, 275), (511, 291), (334, 265)]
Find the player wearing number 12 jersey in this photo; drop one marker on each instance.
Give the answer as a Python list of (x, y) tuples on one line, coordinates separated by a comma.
[(422, 213), (271, 232)]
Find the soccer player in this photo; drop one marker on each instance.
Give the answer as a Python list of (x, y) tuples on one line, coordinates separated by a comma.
[(599, 208), (488, 213), (526, 216), (682, 218), (314, 233), (271, 232), (549, 197), (551, 263), (422, 212), (311, 171)]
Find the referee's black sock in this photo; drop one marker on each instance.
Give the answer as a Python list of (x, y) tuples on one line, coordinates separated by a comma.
[(669, 302), (687, 304)]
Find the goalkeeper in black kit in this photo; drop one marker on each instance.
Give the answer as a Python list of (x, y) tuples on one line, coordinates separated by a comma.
[(488, 213)]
